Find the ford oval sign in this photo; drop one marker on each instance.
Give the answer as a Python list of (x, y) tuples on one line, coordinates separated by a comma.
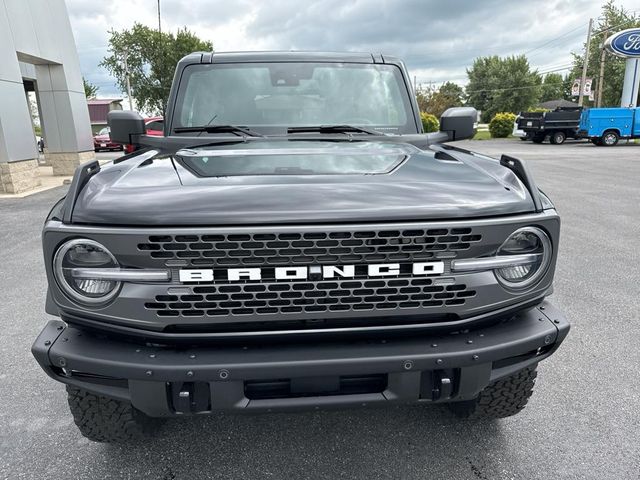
[(625, 43)]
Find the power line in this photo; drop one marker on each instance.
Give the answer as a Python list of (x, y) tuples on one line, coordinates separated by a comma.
[(633, 20), (582, 25), (557, 69), (508, 88)]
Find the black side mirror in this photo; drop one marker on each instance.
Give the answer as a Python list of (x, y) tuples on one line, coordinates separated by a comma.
[(459, 123), (125, 125)]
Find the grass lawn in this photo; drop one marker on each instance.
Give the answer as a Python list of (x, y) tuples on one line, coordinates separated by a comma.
[(485, 135)]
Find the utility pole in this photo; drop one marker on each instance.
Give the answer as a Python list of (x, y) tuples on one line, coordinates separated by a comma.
[(159, 22), (585, 64), (126, 74), (603, 56)]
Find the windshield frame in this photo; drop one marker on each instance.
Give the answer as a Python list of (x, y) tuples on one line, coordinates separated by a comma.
[(412, 125)]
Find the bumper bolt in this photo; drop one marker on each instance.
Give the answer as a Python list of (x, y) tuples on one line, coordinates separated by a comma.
[(556, 321), (407, 365), (189, 373), (153, 355), (47, 343), (547, 340), (439, 361), (62, 362), (434, 345), (469, 342), (193, 355), (541, 308), (475, 357), (148, 373), (60, 327), (223, 374)]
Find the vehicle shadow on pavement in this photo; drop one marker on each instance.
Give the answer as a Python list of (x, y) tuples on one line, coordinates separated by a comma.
[(398, 442)]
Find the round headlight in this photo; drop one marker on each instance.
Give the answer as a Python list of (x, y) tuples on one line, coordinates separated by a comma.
[(88, 255), (530, 241)]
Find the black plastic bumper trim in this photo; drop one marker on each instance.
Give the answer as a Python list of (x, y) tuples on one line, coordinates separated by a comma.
[(226, 368)]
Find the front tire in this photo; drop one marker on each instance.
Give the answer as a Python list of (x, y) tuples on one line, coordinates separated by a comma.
[(103, 419), (501, 399), (537, 138)]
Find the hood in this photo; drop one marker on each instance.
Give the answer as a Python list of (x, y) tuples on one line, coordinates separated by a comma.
[(102, 138), (320, 182)]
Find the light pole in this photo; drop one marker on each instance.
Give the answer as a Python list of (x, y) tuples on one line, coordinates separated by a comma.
[(128, 83), (585, 63)]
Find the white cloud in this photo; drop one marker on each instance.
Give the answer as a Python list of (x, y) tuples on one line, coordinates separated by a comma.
[(438, 40)]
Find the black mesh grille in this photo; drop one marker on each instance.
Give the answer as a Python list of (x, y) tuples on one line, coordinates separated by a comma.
[(338, 247), (309, 297)]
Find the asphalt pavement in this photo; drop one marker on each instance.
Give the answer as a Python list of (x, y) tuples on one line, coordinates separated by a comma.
[(583, 421)]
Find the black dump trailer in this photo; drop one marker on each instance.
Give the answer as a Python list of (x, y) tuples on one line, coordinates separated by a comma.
[(558, 125)]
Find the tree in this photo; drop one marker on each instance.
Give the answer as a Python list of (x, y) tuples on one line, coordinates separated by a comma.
[(436, 101), (502, 85), (612, 19), (90, 90), (552, 87), (151, 59)]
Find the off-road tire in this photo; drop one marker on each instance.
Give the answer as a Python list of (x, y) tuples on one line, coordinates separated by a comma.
[(500, 399), (103, 419)]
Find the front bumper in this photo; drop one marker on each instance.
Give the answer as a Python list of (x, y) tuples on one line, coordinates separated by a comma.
[(163, 381)]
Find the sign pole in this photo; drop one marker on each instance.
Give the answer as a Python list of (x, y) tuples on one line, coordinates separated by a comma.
[(585, 63), (631, 83), (603, 56)]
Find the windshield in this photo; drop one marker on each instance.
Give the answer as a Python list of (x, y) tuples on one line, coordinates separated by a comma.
[(266, 95), (104, 131), (294, 158)]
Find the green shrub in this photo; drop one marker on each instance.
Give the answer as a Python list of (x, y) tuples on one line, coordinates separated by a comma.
[(501, 125), (429, 122)]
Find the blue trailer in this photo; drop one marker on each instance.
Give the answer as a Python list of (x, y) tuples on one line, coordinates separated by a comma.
[(606, 126)]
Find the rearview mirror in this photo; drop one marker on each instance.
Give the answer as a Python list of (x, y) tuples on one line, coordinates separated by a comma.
[(459, 123), (125, 125)]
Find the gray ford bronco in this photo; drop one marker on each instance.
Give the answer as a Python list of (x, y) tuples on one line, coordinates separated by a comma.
[(296, 241)]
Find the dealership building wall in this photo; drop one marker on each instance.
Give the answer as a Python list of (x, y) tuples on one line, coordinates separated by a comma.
[(38, 52)]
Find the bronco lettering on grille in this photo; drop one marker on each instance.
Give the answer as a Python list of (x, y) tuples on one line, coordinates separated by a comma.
[(313, 273)]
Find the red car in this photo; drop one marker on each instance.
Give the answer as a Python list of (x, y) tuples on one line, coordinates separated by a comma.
[(155, 128), (102, 141)]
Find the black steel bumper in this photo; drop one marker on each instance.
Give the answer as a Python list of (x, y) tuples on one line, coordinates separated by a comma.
[(163, 381)]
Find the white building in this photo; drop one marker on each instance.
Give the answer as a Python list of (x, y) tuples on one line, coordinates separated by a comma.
[(38, 53)]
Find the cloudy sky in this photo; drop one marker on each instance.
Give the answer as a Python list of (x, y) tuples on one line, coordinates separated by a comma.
[(437, 39)]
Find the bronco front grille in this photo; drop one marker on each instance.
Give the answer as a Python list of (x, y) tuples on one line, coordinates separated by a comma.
[(310, 297), (309, 248)]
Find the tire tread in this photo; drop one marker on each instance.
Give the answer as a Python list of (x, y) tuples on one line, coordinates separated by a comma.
[(503, 398), (103, 419)]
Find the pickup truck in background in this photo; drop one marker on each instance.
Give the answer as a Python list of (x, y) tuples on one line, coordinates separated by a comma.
[(606, 126), (558, 125)]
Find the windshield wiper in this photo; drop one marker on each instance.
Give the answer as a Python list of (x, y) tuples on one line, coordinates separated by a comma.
[(333, 129), (240, 131)]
